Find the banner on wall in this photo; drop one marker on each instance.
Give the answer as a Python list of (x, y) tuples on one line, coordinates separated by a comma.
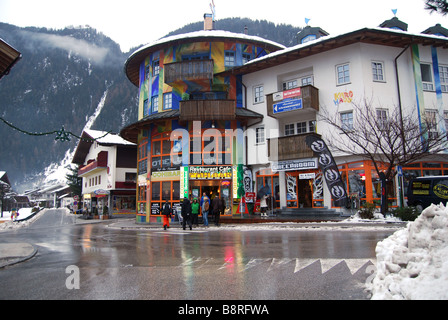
[(329, 169)]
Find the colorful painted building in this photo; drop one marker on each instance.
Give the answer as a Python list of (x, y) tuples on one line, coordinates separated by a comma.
[(191, 119)]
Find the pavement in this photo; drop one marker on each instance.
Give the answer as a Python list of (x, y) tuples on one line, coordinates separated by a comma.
[(13, 253)]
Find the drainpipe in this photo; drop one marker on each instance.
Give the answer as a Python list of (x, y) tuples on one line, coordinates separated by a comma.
[(399, 95), (400, 180)]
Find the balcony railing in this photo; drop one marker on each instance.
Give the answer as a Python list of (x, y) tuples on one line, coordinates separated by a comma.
[(309, 96), (289, 148), (94, 166), (188, 71), (207, 110)]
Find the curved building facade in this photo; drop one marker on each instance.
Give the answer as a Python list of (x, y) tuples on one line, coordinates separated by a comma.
[(191, 117)]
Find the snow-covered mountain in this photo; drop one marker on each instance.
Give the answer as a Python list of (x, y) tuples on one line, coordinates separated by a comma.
[(71, 78)]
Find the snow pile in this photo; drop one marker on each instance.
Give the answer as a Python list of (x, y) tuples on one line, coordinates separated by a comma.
[(6, 223), (413, 262)]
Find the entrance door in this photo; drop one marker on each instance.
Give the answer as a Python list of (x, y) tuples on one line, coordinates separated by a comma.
[(299, 192), (305, 193), (212, 188)]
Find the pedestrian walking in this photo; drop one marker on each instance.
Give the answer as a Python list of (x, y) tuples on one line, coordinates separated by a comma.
[(186, 213), (205, 205), (195, 212), (215, 209), (264, 206), (166, 214)]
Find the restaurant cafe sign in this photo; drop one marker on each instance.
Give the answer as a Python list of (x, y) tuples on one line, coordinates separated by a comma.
[(210, 172)]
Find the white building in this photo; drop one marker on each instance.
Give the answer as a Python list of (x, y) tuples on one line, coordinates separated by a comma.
[(108, 170), (389, 67)]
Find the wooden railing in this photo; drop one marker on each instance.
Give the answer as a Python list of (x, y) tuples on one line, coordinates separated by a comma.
[(207, 110), (188, 71), (289, 148)]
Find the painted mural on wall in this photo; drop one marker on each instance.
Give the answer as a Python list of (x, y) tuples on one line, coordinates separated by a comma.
[(155, 94)]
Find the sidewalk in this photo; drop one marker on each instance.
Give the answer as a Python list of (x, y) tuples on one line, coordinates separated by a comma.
[(12, 253)]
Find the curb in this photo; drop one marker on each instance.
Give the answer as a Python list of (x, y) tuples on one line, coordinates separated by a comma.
[(8, 260)]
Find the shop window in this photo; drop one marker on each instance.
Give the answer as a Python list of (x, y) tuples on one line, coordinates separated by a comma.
[(270, 181), (163, 155), (143, 157)]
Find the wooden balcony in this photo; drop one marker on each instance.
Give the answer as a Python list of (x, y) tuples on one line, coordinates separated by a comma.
[(191, 110), (309, 104), (94, 166), (289, 148), (188, 71)]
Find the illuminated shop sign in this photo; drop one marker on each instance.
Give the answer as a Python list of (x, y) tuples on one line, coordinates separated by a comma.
[(211, 172)]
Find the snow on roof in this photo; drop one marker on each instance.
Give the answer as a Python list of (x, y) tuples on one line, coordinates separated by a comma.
[(107, 138), (207, 34), (331, 37)]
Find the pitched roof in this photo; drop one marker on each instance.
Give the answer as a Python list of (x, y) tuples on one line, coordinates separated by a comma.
[(101, 137), (379, 36)]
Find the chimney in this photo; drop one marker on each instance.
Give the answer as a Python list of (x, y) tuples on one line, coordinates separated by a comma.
[(209, 24), (246, 30)]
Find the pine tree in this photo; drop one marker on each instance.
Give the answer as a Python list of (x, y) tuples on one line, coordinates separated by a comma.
[(74, 181)]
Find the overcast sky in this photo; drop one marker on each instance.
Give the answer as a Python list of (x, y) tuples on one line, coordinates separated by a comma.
[(135, 22)]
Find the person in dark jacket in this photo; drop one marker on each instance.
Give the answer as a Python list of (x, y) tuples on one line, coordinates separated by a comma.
[(166, 214), (216, 209), (186, 213)]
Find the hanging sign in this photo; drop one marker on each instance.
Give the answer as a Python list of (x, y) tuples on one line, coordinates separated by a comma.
[(330, 170), (184, 179)]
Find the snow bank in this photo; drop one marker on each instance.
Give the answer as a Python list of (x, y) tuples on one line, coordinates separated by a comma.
[(6, 222), (413, 262)]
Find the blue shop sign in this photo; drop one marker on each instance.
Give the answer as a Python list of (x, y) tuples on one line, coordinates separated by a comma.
[(288, 105)]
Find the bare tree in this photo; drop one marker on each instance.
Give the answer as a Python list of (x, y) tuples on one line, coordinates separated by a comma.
[(385, 136)]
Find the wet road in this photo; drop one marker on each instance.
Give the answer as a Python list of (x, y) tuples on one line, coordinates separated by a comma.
[(108, 263)]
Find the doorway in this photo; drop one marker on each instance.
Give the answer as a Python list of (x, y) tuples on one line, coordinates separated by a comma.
[(305, 193), (212, 188)]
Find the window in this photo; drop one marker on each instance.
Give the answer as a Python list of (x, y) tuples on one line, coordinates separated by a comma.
[(289, 129), (147, 72), (229, 58), (426, 77), (347, 120), (309, 38), (343, 73), (145, 107), (377, 71), (306, 80), (155, 68), (443, 72), (259, 135), (431, 120), (167, 101), (258, 94), (290, 84), (312, 126), (246, 57), (381, 116), (142, 157), (155, 104), (301, 127)]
